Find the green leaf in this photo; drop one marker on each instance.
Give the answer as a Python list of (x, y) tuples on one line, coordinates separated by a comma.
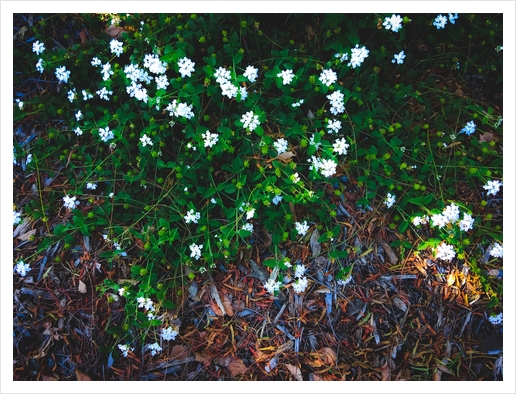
[(244, 233), (168, 304)]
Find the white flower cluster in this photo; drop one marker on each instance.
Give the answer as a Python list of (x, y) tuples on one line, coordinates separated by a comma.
[(298, 103), (340, 146), (69, 202), (154, 348), (251, 73), (118, 247), (39, 65), (86, 95), (186, 67), (145, 303), (196, 251), (22, 268), (344, 282), (295, 177), (62, 74), (313, 143), (493, 187), (16, 217), (20, 103), (210, 139), (106, 71), (445, 252), (137, 91), (248, 226), (125, 349), (328, 167), (276, 200), (28, 159), (104, 93), (390, 200), (393, 23), (469, 128), (328, 77), (300, 284), (440, 21), (336, 102), (418, 220), (281, 145), (145, 140), (155, 66), (106, 134), (169, 334), (334, 126), (498, 319), (162, 82), (451, 214), (271, 286), (136, 74), (192, 216), (78, 115), (91, 186), (38, 47), (399, 58), (287, 76), (181, 109), (358, 56), (223, 78), (116, 47), (343, 57), (496, 250), (72, 95), (302, 228), (95, 62), (78, 131), (250, 120)]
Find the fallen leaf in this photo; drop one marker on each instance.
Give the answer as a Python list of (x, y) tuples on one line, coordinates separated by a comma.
[(83, 36), (295, 371), (386, 372), (399, 304), (315, 378), (81, 376), (237, 367), (227, 305), (215, 308), (310, 31), (459, 93), (328, 356), (82, 287), (47, 378), (314, 244), (451, 279), (224, 361), (27, 235), (115, 31), (179, 352), (286, 157), (486, 137)]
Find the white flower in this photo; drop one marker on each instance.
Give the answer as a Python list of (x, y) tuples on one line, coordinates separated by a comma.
[(38, 47), (210, 139), (145, 140), (116, 47), (250, 213), (248, 226), (169, 334), (78, 131), (271, 286), (298, 103), (250, 120), (222, 75), (469, 128), (78, 115), (358, 56), (440, 21), (251, 73), (181, 109), (327, 166), (125, 349), (20, 103), (343, 57), (466, 223), (62, 75), (328, 77), (16, 217), (213, 201), (104, 93), (121, 291), (277, 198), (496, 250), (145, 303), (111, 195), (136, 74), (281, 145), (228, 89), (493, 187), (439, 220), (418, 220), (452, 213), (390, 200), (302, 228), (106, 134), (154, 348), (300, 270), (445, 252), (344, 282), (496, 319), (399, 57), (312, 142), (86, 95), (452, 18), (161, 82), (28, 159), (22, 268), (156, 66), (91, 186), (196, 251), (95, 62), (192, 216), (69, 202), (334, 126), (186, 67), (137, 91), (300, 285), (106, 71), (336, 102), (287, 76), (39, 65), (295, 177), (340, 146), (393, 23), (243, 93), (72, 95)]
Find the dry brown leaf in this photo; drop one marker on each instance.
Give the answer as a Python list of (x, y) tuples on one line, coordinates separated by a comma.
[(47, 378), (224, 361), (486, 137), (204, 358), (83, 36), (459, 93), (451, 279), (237, 367), (315, 378), (310, 31), (386, 372), (227, 305), (214, 307), (82, 287), (179, 352), (286, 157), (328, 356), (81, 376), (115, 31), (295, 371), (314, 244), (27, 235)]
